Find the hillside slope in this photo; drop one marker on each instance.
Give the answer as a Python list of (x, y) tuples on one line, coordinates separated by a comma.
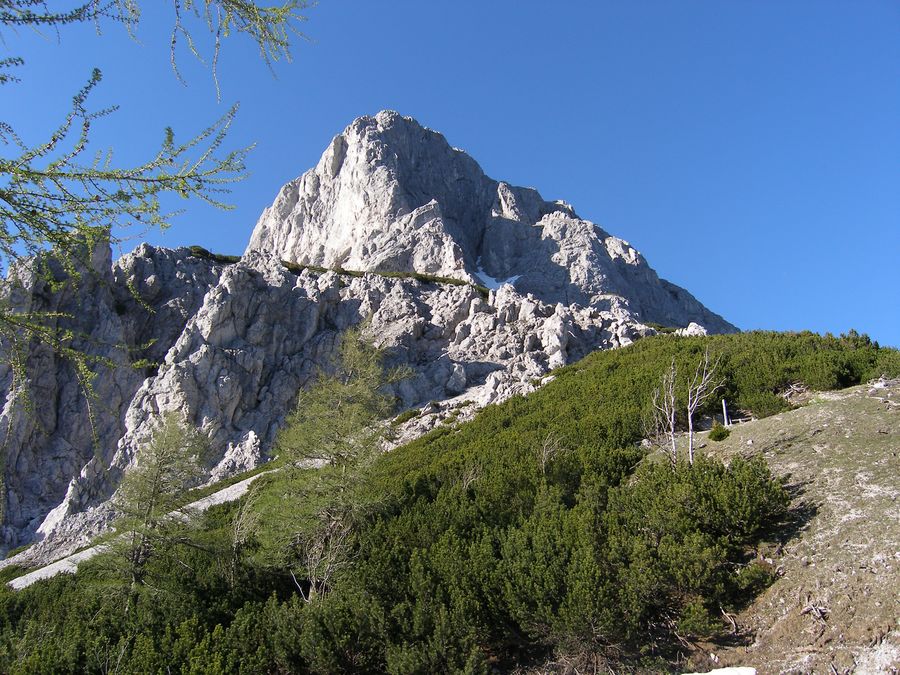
[(536, 538), (834, 607)]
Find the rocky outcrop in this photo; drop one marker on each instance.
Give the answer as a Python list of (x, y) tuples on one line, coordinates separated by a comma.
[(49, 428), (391, 195), (230, 345)]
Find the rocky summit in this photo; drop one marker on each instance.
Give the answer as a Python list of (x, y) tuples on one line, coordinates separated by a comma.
[(391, 195), (480, 287)]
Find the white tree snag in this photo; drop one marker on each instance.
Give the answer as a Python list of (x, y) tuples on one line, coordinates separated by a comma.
[(700, 389), (548, 451), (663, 420)]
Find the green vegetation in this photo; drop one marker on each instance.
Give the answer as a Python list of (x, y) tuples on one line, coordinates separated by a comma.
[(719, 432), (297, 268), (660, 328), (338, 424), (17, 550), (198, 493), (434, 279), (406, 416), (9, 573), (537, 529), (147, 499), (200, 252), (337, 419), (61, 197)]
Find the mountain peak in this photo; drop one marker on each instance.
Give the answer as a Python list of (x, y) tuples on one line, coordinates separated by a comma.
[(391, 195), (232, 342)]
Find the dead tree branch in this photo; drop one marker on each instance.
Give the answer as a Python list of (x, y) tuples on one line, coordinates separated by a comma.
[(700, 388), (662, 423)]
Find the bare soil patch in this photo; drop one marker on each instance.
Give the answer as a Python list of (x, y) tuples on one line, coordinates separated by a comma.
[(835, 607)]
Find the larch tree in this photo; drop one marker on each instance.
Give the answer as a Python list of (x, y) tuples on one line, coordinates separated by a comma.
[(60, 197), (337, 419), (151, 522), (339, 424)]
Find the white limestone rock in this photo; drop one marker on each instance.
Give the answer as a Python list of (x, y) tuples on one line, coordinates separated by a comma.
[(230, 345), (391, 195), (692, 330)]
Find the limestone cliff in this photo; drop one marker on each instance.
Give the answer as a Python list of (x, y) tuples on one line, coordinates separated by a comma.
[(391, 195), (230, 345)]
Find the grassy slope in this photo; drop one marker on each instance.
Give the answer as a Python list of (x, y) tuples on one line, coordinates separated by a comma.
[(835, 604)]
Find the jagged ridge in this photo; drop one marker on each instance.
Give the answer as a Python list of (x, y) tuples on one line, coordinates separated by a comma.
[(232, 342), (391, 195)]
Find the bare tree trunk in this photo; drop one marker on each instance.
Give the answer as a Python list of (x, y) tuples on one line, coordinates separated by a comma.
[(663, 422), (548, 452), (325, 551), (700, 389), (690, 439)]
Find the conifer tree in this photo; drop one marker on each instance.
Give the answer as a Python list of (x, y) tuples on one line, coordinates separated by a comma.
[(336, 419), (59, 194), (150, 523), (338, 424)]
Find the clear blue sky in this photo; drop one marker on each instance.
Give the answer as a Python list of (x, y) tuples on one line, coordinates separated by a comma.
[(750, 150)]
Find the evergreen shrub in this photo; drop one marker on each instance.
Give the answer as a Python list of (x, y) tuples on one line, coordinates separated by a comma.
[(719, 432), (477, 547)]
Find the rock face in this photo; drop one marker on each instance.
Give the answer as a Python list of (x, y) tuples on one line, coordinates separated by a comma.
[(391, 195), (230, 345)]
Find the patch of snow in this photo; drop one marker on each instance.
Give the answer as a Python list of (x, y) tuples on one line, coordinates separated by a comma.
[(69, 564), (490, 282)]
